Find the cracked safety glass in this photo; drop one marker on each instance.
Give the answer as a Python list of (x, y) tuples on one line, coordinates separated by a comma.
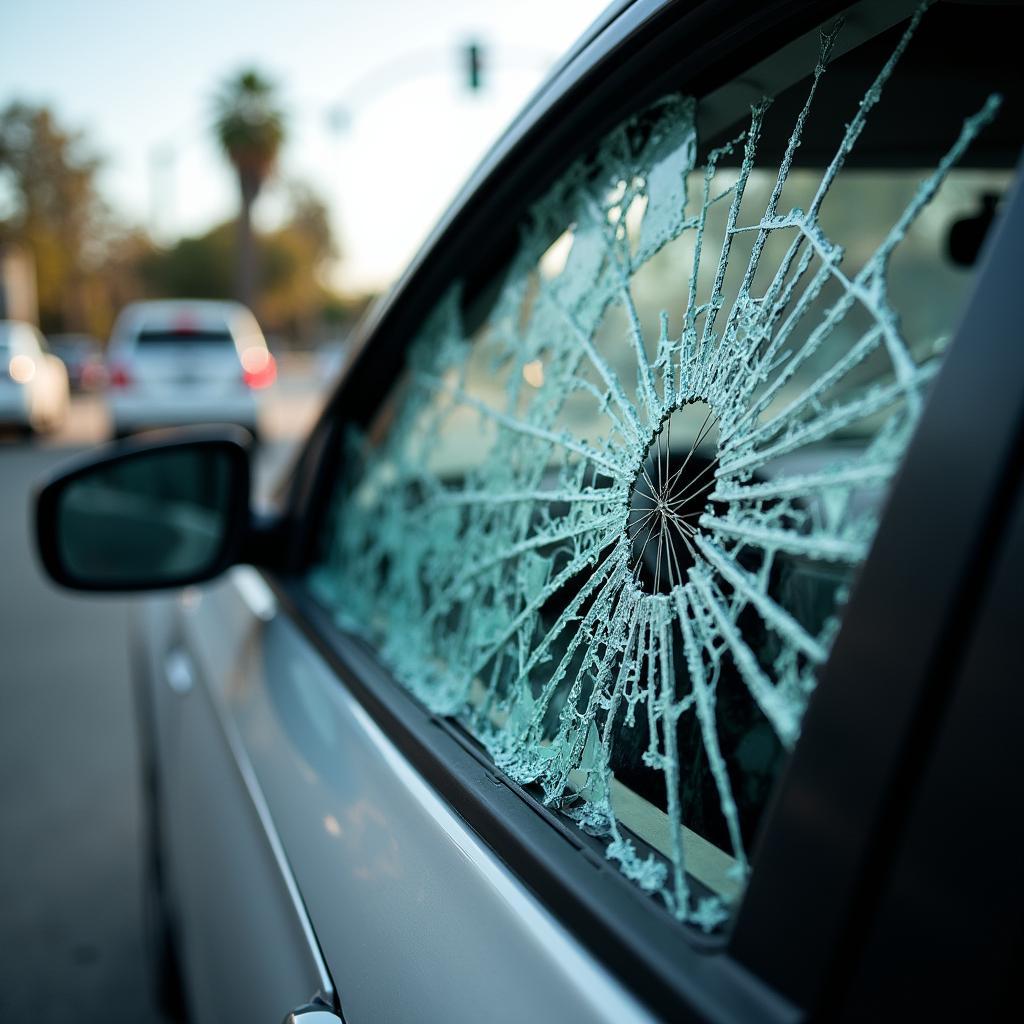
[(609, 525)]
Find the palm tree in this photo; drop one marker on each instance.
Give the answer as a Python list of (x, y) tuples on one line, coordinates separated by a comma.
[(250, 128)]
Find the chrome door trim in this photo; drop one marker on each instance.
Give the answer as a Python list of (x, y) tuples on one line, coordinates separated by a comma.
[(311, 1014)]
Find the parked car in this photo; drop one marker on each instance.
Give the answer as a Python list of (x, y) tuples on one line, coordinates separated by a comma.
[(637, 635), (33, 381), (177, 361), (83, 357)]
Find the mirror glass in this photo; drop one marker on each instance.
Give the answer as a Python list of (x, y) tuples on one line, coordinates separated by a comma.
[(152, 519)]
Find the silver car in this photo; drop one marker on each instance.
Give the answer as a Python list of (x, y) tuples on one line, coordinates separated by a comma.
[(637, 636), (186, 361)]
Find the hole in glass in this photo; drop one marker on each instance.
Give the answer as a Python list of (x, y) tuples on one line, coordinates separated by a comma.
[(670, 494)]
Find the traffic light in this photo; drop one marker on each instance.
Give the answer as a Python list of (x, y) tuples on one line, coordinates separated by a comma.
[(474, 63)]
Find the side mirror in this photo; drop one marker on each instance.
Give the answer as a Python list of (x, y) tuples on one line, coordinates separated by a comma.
[(144, 516)]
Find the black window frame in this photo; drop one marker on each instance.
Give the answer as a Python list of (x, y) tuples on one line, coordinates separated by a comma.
[(837, 815)]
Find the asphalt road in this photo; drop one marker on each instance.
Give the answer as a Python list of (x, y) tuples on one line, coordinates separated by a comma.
[(70, 908), (71, 944)]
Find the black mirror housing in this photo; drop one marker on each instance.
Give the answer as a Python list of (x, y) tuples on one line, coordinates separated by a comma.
[(165, 510)]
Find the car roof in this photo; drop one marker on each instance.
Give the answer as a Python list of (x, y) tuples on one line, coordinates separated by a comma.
[(195, 314)]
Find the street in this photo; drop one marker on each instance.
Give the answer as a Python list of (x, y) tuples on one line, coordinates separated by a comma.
[(70, 880), (70, 929)]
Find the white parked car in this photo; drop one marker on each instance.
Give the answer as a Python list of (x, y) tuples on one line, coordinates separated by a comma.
[(178, 361), (33, 382)]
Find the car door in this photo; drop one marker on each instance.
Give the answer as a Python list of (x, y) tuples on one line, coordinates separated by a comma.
[(250, 953), (509, 760)]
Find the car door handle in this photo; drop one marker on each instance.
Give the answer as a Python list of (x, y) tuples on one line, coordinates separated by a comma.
[(312, 1013), (178, 670)]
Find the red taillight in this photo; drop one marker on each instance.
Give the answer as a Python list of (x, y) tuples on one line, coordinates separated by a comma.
[(94, 375), (120, 377), (259, 369)]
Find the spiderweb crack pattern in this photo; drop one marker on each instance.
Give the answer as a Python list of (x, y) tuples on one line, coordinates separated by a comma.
[(513, 597)]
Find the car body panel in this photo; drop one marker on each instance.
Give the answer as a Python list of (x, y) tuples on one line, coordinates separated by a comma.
[(164, 407), (415, 915), (250, 953)]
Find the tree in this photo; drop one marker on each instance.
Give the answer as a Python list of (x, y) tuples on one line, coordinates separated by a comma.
[(250, 129), (197, 267), (298, 256), (291, 284), (54, 209)]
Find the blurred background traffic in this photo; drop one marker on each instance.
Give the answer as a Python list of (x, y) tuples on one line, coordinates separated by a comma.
[(288, 157)]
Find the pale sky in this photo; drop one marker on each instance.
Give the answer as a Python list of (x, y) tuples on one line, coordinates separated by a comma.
[(138, 77)]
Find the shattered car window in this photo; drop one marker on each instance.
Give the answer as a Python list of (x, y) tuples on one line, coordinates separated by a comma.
[(610, 529)]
